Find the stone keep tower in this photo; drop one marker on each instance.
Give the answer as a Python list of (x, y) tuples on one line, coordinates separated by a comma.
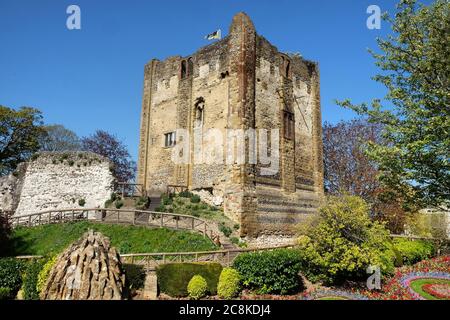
[(241, 82)]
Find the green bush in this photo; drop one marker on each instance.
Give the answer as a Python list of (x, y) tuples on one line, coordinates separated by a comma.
[(195, 198), (342, 241), (11, 274), (5, 293), (142, 203), (197, 287), (166, 200), (229, 282), (81, 202), (413, 251), (185, 194), (135, 275), (173, 278), (119, 204), (43, 274), (225, 230), (275, 271), (30, 280)]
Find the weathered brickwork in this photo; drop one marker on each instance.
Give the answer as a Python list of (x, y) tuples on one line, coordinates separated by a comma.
[(239, 82)]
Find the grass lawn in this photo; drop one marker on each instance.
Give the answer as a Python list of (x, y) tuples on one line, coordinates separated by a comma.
[(54, 238), (416, 285)]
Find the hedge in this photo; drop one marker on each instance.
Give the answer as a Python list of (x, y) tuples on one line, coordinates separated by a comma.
[(11, 275), (30, 279), (275, 271), (173, 278), (413, 251)]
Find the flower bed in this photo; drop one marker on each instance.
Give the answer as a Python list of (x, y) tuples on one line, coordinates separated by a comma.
[(400, 287), (439, 290)]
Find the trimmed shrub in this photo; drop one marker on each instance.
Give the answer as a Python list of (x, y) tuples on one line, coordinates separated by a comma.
[(185, 194), (11, 274), (30, 280), (275, 271), (197, 287), (229, 283), (413, 251), (142, 203), (5, 293), (173, 278), (43, 274)]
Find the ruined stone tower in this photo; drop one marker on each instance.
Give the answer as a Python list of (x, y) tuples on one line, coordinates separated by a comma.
[(240, 84)]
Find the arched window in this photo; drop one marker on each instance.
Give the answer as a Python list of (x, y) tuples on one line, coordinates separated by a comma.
[(288, 65), (183, 69), (199, 112), (190, 67)]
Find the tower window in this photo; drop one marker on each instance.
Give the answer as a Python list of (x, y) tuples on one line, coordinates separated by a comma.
[(169, 139), (289, 125), (183, 69)]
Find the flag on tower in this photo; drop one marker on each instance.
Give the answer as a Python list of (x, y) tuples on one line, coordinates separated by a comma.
[(215, 35)]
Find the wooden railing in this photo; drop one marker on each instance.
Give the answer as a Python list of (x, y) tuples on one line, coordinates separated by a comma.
[(130, 189), (225, 257), (171, 188), (119, 216)]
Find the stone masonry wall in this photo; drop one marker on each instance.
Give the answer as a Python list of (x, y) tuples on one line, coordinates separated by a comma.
[(61, 180)]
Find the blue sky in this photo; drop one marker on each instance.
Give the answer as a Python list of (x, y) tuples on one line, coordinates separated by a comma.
[(92, 78)]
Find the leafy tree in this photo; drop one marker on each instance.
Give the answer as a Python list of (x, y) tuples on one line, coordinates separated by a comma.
[(348, 170), (20, 132), (415, 69), (109, 146), (59, 138), (347, 167), (342, 241)]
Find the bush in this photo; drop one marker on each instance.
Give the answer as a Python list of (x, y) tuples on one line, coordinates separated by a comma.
[(81, 202), (195, 198), (225, 230), (166, 200), (173, 278), (135, 275), (185, 194), (275, 271), (413, 251), (229, 282), (119, 204), (142, 203), (5, 293), (30, 280), (342, 241), (197, 287), (11, 274), (43, 274)]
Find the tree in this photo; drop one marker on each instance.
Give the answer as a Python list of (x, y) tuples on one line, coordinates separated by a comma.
[(109, 146), (416, 72), (348, 170), (5, 234), (59, 138), (20, 132)]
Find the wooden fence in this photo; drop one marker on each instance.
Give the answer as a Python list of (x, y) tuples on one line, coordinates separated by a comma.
[(225, 257), (118, 216)]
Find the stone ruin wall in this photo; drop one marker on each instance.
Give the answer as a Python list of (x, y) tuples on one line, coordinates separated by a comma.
[(57, 181)]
